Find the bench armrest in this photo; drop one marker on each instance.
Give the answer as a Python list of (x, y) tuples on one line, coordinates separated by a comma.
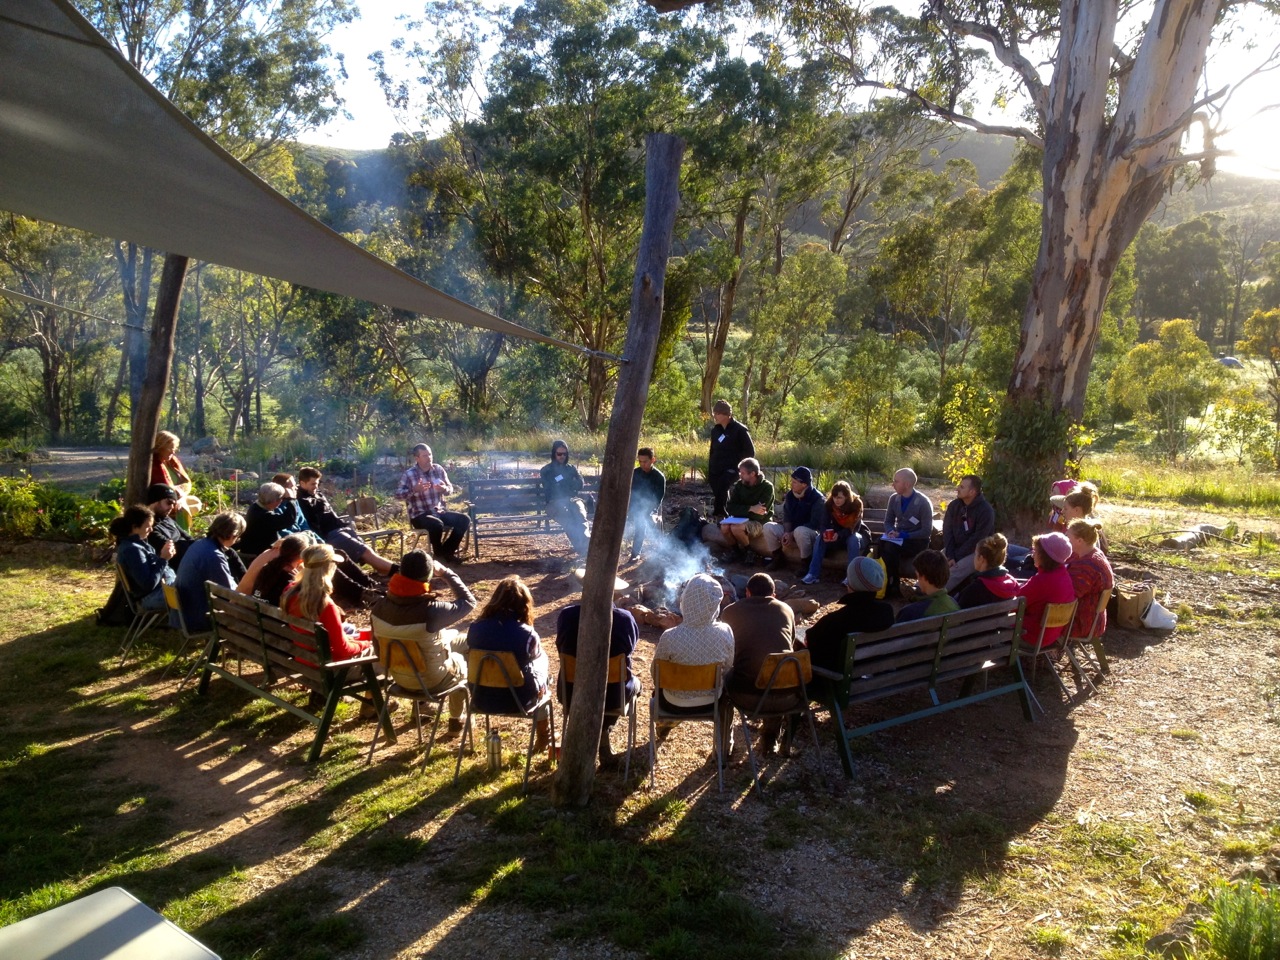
[(370, 657)]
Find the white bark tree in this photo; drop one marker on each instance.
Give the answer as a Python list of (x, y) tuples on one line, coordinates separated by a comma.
[(1113, 89)]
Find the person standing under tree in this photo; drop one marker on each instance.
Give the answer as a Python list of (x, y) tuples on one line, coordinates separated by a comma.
[(730, 445)]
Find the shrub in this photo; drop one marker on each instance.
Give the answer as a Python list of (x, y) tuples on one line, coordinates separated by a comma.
[(1245, 922), (31, 509)]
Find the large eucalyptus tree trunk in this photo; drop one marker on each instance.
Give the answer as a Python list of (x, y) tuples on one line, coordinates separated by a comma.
[(1103, 176)]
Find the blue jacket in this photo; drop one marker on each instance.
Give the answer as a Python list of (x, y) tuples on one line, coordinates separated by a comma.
[(143, 567), (514, 637), (205, 560), (806, 512)]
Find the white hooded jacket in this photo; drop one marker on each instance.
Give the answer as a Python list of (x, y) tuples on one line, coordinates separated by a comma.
[(700, 639)]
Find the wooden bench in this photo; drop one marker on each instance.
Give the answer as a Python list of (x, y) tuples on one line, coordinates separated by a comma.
[(513, 507), (248, 629), (921, 655)]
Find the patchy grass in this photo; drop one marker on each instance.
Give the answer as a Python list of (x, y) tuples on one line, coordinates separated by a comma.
[(1191, 484)]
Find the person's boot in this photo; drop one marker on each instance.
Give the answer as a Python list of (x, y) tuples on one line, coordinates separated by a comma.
[(775, 561), (542, 734)]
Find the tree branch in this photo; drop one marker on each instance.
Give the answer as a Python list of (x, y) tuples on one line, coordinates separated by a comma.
[(1006, 51), (1177, 127), (1023, 133)]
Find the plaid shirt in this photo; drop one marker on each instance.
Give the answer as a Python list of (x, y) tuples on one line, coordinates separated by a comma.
[(424, 499)]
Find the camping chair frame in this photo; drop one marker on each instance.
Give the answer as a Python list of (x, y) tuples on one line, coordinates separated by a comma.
[(399, 655), (676, 677), (143, 620), (496, 668), (618, 675), (1093, 637), (171, 598), (782, 672), (1055, 615)]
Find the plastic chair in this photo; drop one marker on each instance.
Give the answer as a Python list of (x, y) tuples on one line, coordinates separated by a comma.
[(171, 598), (1055, 615), (143, 620), (676, 677), (397, 656), (781, 672), (500, 669), (618, 677), (1093, 637)]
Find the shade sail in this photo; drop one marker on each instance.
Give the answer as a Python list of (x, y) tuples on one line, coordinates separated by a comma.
[(87, 142)]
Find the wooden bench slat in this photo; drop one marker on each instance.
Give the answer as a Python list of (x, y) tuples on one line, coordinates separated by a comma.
[(919, 656)]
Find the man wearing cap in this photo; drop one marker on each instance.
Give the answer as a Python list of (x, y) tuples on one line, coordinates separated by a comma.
[(423, 488), (730, 445), (860, 612), (968, 521), (412, 613), (801, 512), (762, 624), (163, 501)]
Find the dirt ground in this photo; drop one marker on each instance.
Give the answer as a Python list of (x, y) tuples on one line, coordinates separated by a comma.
[(1193, 712), (1121, 757)]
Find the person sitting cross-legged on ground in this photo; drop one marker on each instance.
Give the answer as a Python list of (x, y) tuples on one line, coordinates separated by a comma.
[(931, 580), (423, 488), (413, 613), (761, 625), (648, 488), (839, 525), (908, 524), (207, 560), (505, 622), (859, 612), (700, 638), (624, 635), (750, 505), (969, 519), (145, 570), (562, 487), (801, 514), (325, 522), (990, 582)]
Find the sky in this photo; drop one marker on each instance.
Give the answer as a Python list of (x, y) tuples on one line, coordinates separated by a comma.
[(1254, 136)]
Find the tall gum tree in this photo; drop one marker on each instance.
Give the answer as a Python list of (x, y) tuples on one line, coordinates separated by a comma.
[(1113, 88)]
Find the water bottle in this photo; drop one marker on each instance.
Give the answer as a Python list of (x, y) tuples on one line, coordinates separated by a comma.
[(495, 751)]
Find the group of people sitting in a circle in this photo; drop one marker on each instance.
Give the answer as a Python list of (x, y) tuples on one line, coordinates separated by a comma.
[(306, 559)]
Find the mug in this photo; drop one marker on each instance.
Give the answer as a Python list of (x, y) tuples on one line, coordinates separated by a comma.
[(829, 536)]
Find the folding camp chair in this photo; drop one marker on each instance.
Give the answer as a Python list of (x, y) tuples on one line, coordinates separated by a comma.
[(395, 656), (143, 620), (499, 669), (188, 638), (780, 673), (618, 678), (675, 677), (1055, 615), (1075, 644)]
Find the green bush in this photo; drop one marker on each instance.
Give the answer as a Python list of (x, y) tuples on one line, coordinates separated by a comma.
[(1245, 922), (31, 509)]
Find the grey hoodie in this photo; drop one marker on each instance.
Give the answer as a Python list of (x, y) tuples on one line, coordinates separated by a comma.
[(701, 638)]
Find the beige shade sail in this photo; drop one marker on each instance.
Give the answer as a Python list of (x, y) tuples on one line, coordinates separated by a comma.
[(87, 142)]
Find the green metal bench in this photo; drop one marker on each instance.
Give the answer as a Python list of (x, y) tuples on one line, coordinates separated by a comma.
[(922, 655)]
